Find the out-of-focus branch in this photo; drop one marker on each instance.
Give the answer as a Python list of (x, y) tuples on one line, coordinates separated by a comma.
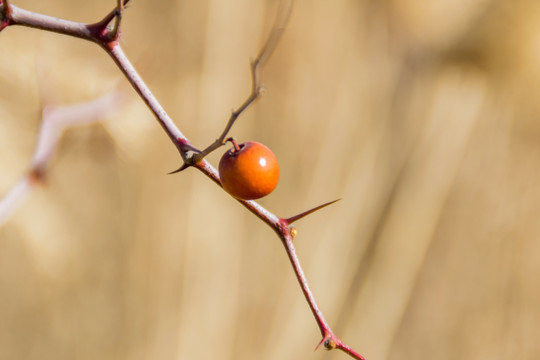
[(55, 121), (11, 201)]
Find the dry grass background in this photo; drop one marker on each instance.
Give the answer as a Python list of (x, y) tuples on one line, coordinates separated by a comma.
[(422, 116)]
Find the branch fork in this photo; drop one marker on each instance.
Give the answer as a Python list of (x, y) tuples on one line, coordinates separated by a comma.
[(106, 32)]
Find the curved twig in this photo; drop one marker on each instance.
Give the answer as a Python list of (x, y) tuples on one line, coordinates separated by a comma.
[(262, 57)]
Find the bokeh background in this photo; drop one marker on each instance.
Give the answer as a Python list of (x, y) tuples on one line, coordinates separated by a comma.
[(423, 116)]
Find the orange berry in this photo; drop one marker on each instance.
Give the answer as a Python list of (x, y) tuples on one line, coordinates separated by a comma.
[(249, 171)]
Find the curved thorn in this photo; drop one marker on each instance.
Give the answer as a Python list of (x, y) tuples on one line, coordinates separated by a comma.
[(181, 168), (305, 213)]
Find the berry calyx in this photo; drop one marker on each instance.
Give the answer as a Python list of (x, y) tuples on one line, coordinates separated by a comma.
[(249, 170)]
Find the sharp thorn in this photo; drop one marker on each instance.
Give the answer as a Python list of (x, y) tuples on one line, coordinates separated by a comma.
[(181, 168), (305, 213)]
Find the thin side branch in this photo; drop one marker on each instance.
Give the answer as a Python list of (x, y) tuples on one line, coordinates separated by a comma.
[(115, 31), (283, 16), (256, 88)]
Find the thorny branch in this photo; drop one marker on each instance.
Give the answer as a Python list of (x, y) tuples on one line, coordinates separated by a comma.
[(106, 36)]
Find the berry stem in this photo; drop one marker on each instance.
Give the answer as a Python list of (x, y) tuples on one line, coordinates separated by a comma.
[(235, 144)]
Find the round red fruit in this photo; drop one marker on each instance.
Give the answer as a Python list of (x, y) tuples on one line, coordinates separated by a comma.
[(249, 171)]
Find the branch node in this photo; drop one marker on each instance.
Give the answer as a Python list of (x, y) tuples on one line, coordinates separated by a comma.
[(104, 32), (190, 154), (329, 344)]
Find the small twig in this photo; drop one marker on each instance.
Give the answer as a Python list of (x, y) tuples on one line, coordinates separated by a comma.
[(115, 31), (256, 88), (254, 94), (109, 35), (284, 13)]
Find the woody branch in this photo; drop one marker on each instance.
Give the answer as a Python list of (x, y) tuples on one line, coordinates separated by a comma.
[(106, 35)]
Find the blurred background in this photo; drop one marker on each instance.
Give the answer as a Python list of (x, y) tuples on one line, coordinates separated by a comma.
[(422, 116)]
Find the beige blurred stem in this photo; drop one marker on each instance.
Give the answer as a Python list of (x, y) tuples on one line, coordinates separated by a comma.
[(55, 121)]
